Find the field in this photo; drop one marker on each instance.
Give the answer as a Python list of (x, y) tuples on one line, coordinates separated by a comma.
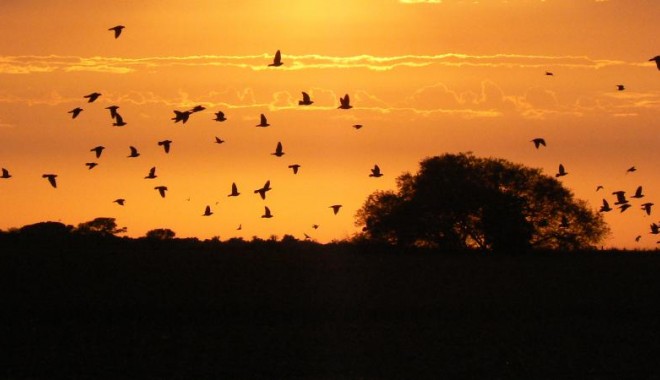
[(157, 311)]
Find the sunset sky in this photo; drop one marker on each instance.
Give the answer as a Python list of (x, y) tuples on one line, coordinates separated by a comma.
[(424, 77)]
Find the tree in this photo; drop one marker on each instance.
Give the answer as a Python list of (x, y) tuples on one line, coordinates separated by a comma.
[(100, 227), (160, 234), (459, 201)]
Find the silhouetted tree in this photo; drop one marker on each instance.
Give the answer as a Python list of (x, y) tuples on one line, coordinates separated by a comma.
[(160, 234), (459, 201), (103, 227)]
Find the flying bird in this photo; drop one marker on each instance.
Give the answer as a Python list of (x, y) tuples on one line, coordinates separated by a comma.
[(117, 29), (91, 165), (638, 238), (631, 169), (97, 150), (263, 122), (240, 227), (234, 190), (357, 126), (295, 168), (647, 207), (315, 226), (51, 179), (220, 116), (207, 211), (218, 140), (605, 207), (624, 207), (152, 173), (165, 144), (620, 197), (181, 116), (657, 61), (262, 191), (306, 100), (5, 173), (345, 103), (92, 97), (119, 201), (638, 193), (278, 150), (161, 190), (562, 172), (113, 111), (538, 142), (75, 112), (620, 87), (655, 229), (267, 213), (375, 172), (119, 121), (599, 187), (134, 152), (335, 208), (197, 109), (549, 73), (277, 60)]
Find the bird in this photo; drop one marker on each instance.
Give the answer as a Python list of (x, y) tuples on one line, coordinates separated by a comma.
[(161, 190), (181, 116), (335, 208), (220, 116), (638, 238), (345, 103), (134, 152), (267, 213), (375, 172), (197, 108), (117, 29), (75, 112), (562, 172), (240, 227), (620, 197), (315, 226), (638, 193), (278, 150), (119, 121), (51, 179), (605, 207), (357, 126), (295, 168), (234, 190), (152, 173), (119, 201), (657, 61), (263, 122), (113, 111), (306, 100), (599, 187), (97, 150), (165, 144), (218, 140), (655, 229), (92, 97), (647, 207), (631, 169), (91, 165), (620, 87), (207, 211), (262, 191), (5, 174), (624, 207), (549, 73), (307, 237), (277, 60), (538, 142)]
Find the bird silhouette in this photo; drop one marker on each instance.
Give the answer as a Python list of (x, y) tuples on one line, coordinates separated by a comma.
[(91, 165), (220, 116), (549, 73), (620, 87), (51, 179), (113, 111), (75, 112), (152, 173), (631, 169), (197, 108), (357, 126), (240, 227), (345, 103), (315, 226), (638, 193), (624, 207), (5, 174), (267, 213), (295, 168), (181, 116), (166, 145), (599, 187), (335, 208), (605, 207), (647, 207), (218, 140), (117, 29), (620, 197), (161, 190), (655, 229), (207, 211), (638, 238), (119, 121), (134, 152), (657, 61), (562, 172), (277, 60), (262, 191), (307, 237), (234, 190), (306, 100), (538, 142), (375, 172), (92, 97), (119, 201), (278, 150), (263, 122), (97, 150)]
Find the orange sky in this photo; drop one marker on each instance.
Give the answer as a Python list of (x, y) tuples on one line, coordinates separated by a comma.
[(425, 78)]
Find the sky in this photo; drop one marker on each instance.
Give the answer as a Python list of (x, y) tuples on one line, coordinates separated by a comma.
[(424, 78)]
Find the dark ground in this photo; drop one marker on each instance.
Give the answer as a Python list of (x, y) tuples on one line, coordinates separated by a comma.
[(149, 312)]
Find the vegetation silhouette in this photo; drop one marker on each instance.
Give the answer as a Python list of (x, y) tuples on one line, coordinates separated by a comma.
[(459, 201)]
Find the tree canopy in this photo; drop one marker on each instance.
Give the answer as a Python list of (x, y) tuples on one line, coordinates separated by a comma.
[(459, 201)]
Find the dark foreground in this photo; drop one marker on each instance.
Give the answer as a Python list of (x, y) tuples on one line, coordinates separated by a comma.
[(151, 312)]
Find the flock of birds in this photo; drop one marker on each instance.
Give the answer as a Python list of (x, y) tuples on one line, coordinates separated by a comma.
[(621, 202)]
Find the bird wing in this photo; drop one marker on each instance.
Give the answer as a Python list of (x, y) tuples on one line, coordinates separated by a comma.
[(278, 57)]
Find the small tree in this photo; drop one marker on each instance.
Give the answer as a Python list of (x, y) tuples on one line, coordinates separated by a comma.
[(160, 234), (100, 227), (461, 201)]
